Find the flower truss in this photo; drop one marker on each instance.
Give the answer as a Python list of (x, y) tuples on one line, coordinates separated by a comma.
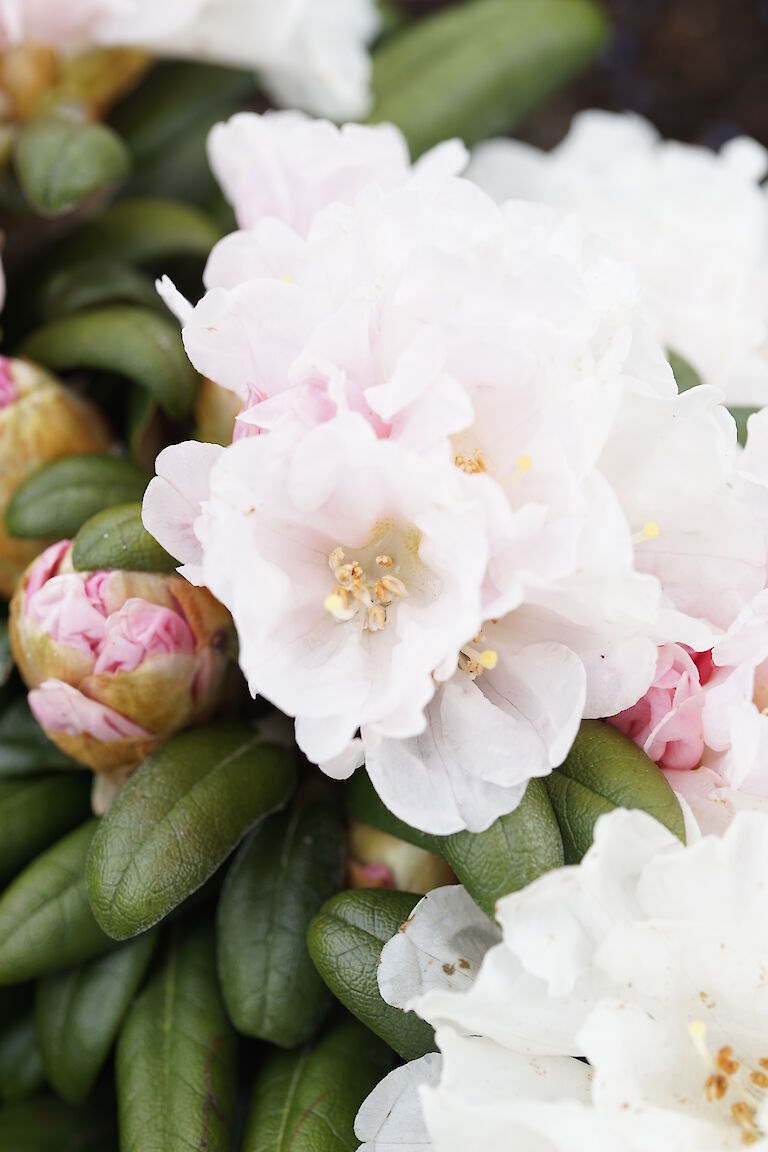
[(624, 1004), (466, 503)]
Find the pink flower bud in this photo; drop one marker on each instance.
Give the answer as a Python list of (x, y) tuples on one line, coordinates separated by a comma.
[(377, 860), (116, 661), (40, 421)]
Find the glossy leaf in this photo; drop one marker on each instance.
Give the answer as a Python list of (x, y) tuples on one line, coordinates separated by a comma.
[(37, 811), (21, 1065), (176, 1055), (116, 538), (91, 283), (511, 853), (147, 230), (605, 770), (24, 747), (178, 818), (345, 942), (45, 919), (474, 70), (307, 1100), (79, 1012), (61, 161), (280, 878), (126, 340), (515, 850), (57, 499)]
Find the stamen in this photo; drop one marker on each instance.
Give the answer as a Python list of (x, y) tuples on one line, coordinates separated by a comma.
[(384, 561), (489, 659), (729, 1077), (354, 590), (377, 618), (335, 559), (649, 531), (470, 464)]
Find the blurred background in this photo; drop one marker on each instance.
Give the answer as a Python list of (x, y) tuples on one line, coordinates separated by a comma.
[(697, 68)]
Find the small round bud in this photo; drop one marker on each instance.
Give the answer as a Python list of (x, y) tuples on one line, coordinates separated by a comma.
[(377, 860), (40, 421), (116, 662)]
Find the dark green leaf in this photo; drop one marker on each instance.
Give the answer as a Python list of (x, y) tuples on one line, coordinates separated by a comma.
[(91, 283), (278, 881), (605, 770), (306, 1101), (79, 1012), (142, 231), (125, 340), (57, 499), (24, 747), (514, 851), (116, 538), (345, 942), (176, 1056), (61, 161), (21, 1066), (46, 1124), (178, 818), (511, 853), (474, 70), (46, 921), (6, 656), (34, 812)]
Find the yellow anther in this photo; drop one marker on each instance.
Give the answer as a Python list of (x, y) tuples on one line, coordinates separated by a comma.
[(334, 604), (489, 659), (650, 530), (384, 561), (377, 618), (524, 463)]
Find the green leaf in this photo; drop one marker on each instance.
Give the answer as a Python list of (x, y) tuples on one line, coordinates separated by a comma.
[(515, 850), (46, 921), (345, 941), (176, 1054), (116, 538), (6, 656), (79, 1012), (126, 340), (606, 770), (24, 747), (57, 499), (21, 1066), (143, 231), (46, 1124), (37, 811), (92, 283), (741, 416), (686, 376), (60, 162), (278, 881), (476, 69), (178, 818), (306, 1101)]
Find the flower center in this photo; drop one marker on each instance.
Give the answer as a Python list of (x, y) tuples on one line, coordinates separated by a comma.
[(732, 1084), (360, 593)]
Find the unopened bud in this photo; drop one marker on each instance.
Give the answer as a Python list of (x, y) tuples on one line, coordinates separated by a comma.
[(378, 860), (116, 661), (40, 421)]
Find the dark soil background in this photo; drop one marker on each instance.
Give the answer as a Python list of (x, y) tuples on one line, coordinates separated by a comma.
[(697, 68)]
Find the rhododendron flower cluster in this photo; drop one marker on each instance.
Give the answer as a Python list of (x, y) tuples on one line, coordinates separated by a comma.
[(467, 502), (116, 661), (692, 223), (648, 959)]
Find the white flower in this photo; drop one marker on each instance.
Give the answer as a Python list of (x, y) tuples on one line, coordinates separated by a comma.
[(649, 959), (693, 224), (310, 53), (353, 569)]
